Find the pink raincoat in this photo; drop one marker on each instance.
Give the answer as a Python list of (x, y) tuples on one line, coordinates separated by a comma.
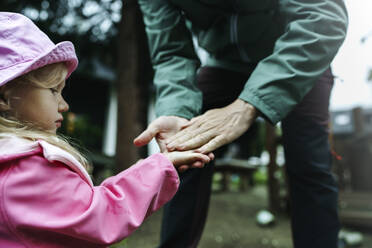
[(48, 199)]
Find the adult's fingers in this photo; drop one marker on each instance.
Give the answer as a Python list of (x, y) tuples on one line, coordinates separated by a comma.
[(197, 140), (181, 137), (191, 137), (213, 144), (187, 128)]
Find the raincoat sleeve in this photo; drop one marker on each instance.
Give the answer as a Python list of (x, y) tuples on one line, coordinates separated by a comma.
[(40, 197), (174, 59), (314, 31)]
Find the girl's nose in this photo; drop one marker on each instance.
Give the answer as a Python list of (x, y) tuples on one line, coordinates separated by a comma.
[(63, 105)]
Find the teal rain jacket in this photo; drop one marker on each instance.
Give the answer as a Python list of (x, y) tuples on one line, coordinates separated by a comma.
[(291, 41)]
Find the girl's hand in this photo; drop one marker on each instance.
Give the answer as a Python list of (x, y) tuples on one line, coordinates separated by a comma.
[(163, 128), (188, 157)]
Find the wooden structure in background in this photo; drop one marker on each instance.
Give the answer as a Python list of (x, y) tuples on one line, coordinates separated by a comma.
[(353, 142), (132, 85), (245, 169), (356, 209)]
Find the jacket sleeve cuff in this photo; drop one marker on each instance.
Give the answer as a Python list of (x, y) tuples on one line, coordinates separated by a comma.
[(266, 111)]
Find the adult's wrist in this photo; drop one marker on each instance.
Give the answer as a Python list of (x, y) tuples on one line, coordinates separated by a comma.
[(247, 108)]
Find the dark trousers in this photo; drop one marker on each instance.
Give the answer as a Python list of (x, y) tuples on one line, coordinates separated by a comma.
[(313, 191)]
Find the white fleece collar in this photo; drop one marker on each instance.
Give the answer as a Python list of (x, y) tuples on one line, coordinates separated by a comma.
[(14, 145)]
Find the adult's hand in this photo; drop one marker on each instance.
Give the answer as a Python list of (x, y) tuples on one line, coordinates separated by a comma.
[(163, 128), (215, 128)]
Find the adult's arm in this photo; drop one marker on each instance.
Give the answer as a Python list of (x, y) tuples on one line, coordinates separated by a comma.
[(314, 31), (175, 63), (174, 59)]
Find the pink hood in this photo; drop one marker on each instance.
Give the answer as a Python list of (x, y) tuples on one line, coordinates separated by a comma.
[(48, 199)]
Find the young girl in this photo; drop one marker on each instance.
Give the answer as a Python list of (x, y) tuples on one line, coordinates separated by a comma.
[(47, 198)]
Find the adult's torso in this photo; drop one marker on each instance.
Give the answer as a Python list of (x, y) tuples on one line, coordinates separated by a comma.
[(234, 30)]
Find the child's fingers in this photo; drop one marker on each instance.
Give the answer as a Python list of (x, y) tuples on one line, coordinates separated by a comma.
[(211, 155), (197, 164), (188, 159), (199, 157), (200, 164), (183, 168)]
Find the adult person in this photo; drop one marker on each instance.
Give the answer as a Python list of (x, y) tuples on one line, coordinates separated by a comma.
[(266, 58)]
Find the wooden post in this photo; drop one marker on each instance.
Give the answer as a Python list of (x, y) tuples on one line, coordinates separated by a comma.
[(358, 120), (132, 84)]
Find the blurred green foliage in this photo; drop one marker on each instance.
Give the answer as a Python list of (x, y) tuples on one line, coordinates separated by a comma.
[(83, 130), (260, 176), (92, 25), (122, 244)]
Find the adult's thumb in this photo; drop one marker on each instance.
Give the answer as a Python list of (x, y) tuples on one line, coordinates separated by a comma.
[(144, 138)]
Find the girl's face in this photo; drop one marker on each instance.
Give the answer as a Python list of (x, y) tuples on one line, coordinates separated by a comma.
[(42, 107)]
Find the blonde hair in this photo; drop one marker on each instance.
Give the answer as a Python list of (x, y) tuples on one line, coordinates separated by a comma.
[(48, 76)]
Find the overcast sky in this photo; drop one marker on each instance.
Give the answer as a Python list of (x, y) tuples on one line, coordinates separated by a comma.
[(354, 59)]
